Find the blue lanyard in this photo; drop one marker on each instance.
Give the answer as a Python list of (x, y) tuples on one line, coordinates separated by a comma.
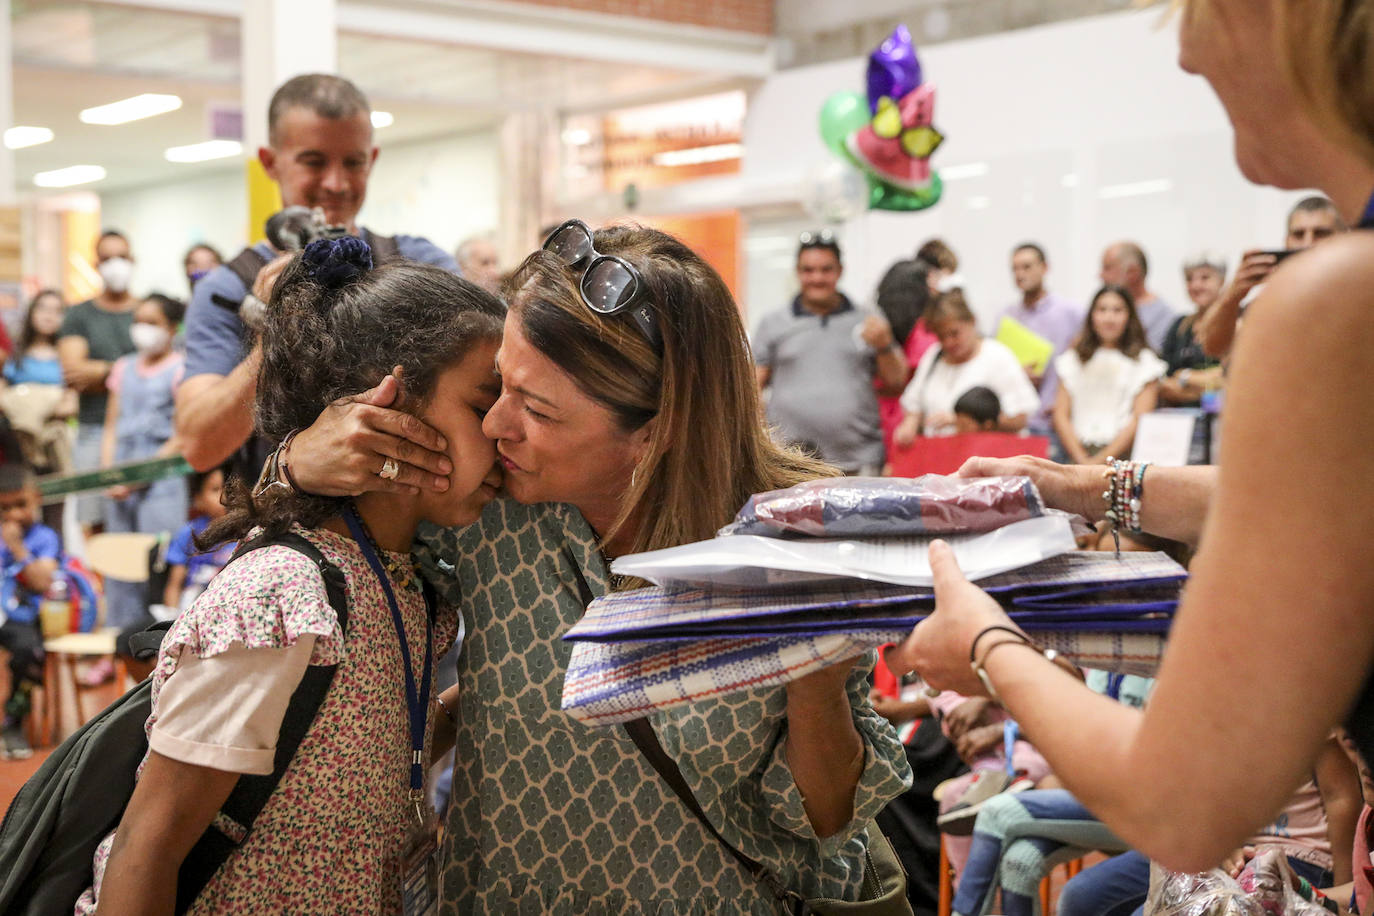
[(417, 701), (1367, 221)]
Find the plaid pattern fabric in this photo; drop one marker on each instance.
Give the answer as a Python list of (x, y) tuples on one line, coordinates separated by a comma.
[(609, 683)]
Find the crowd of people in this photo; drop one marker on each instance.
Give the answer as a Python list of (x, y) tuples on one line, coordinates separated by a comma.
[(856, 385), (465, 454)]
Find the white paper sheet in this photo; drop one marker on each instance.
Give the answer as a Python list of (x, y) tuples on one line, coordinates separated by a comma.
[(751, 561), (1164, 438)]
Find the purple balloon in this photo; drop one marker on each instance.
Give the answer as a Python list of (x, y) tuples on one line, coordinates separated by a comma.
[(893, 69)]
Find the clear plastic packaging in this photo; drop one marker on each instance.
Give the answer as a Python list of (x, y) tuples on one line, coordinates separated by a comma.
[(931, 505), (1263, 888)]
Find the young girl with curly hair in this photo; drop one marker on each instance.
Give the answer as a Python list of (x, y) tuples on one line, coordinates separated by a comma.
[(333, 835)]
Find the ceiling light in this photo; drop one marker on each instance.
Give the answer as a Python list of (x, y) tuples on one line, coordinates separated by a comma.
[(964, 170), (203, 152), (1135, 189), (20, 136), (132, 109), (382, 119), (696, 155), (71, 175), (577, 136), (1069, 181)]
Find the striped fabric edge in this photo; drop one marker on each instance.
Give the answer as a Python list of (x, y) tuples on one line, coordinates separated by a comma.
[(609, 683)]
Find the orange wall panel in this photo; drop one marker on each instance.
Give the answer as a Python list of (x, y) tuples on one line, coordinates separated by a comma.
[(714, 236)]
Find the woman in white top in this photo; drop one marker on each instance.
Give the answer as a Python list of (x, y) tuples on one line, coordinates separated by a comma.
[(963, 359), (1107, 379)]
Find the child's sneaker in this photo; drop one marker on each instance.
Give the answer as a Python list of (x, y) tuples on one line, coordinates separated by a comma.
[(102, 671), (16, 746), (958, 820)]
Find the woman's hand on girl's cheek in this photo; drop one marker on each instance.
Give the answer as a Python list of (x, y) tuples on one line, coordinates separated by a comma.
[(343, 452), (938, 647)]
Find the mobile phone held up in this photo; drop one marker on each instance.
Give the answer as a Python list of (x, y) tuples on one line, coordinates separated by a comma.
[(1278, 256)]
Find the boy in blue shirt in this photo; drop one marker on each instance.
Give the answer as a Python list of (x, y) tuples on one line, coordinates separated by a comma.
[(30, 553), (189, 570)]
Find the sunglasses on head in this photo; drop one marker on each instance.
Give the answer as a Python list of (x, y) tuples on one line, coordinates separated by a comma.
[(821, 238), (817, 238), (610, 285)]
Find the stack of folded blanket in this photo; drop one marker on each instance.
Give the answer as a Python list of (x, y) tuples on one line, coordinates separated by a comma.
[(819, 572)]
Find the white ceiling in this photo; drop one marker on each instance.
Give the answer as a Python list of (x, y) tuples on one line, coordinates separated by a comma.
[(73, 55)]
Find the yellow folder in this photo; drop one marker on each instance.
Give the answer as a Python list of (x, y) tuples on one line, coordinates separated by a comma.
[(1032, 350)]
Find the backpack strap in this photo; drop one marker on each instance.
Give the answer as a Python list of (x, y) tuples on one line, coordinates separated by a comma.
[(251, 793), (642, 734), (246, 266), (144, 644), (384, 247)]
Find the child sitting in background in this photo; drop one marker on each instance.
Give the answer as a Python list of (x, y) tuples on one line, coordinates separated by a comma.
[(30, 554), (189, 570), (185, 569), (977, 410), (976, 726)]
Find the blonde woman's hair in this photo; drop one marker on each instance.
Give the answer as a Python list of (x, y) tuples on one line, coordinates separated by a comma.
[(1327, 51), (708, 449)]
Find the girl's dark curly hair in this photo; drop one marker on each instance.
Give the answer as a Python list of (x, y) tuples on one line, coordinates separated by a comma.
[(332, 333)]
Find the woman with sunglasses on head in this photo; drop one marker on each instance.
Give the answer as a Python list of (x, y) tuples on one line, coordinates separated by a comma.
[(628, 421), (1274, 642)]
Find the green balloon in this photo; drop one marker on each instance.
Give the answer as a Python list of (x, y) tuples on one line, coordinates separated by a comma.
[(883, 196), (841, 115)]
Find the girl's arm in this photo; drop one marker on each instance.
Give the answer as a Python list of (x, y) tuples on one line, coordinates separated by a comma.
[(1283, 553), (907, 429), (1339, 785), (171, 806), (445, 729), (1012, 423), (1062, 418), (169, 448), (108, 437), (176, 581), (1145, 401)]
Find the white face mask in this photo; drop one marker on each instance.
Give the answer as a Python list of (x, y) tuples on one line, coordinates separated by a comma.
[(149, 338), (116, 272)]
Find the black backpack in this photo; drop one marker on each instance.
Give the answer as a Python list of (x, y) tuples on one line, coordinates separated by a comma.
[(78, 795)]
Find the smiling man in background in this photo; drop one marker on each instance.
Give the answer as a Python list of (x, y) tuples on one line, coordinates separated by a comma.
[(320, 155)]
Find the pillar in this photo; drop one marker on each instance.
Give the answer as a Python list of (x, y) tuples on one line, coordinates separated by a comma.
[(280, 39)]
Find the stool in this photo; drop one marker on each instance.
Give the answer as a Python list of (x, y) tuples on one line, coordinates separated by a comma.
[(59, 664)]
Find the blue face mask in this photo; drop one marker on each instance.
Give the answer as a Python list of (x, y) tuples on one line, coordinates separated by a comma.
[(196, 276)]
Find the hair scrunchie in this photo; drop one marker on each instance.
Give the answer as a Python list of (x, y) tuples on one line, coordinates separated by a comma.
[(335, 263)]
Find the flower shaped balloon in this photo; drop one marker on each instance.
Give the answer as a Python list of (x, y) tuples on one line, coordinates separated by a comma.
[(890, 135)]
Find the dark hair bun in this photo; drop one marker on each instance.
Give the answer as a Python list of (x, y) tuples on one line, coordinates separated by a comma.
[(335, 263)]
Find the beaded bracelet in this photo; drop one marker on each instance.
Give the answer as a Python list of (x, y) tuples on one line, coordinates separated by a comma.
[(1125, 487)]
